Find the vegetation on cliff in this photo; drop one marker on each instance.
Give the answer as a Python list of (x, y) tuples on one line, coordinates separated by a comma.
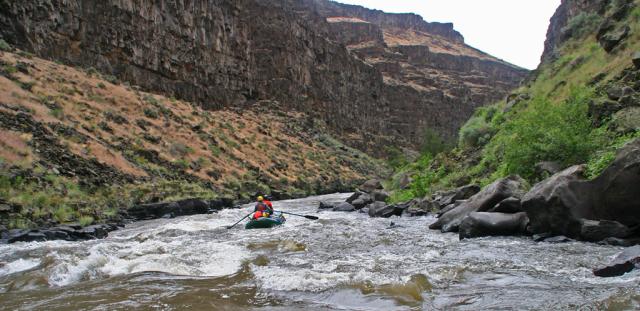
[(78, 146), (579, 107)]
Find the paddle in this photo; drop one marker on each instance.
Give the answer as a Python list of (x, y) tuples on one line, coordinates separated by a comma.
[(229, 227), (305, 216)]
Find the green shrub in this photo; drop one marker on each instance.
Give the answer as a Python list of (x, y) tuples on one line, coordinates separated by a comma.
[(476, 132), (63, 214), (85, 220), (4, 46), (545, 131), (582, 24), (433, 143), (150, 113)]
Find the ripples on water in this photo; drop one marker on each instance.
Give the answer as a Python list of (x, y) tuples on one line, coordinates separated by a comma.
[(345, 261)]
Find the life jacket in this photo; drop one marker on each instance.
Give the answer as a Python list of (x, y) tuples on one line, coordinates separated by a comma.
[(262, 207), (268, 203), (257, 214)]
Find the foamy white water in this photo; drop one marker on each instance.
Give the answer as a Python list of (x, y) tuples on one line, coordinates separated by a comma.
[(344, 261)]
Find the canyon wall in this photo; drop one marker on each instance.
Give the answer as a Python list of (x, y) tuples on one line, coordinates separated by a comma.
[(371, 77)]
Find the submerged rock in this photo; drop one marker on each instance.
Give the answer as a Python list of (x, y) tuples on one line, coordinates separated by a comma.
[(344, 207), (625, 262)]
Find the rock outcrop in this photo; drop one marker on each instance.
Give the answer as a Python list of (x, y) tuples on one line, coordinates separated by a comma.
[(608, 206), (398, 77), (483, 201)]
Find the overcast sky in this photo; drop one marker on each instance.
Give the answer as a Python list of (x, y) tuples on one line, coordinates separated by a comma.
[(513, 30)]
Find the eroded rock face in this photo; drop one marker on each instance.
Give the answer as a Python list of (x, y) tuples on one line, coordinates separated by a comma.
[(567, 10), (486, 199), (228, 53)]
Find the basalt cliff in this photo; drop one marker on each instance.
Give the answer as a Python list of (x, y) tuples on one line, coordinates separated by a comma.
[(372, 77)]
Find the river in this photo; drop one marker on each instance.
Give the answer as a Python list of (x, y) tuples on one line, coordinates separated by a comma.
[(344, 261)]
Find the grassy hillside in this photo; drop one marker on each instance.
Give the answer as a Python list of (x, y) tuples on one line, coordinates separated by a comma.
[(564, 114), (79, 146)]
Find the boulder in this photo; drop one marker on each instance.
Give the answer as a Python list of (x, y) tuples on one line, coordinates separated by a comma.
[(354, 197), (636, 59), (548, 168), (614, 92), (174, 209), (449, 207), (93, 232), (445, 198), (420, 207), (344, 207), (26, 236), (549, 204), (594, 231), (380, 195), (509, 205), (483, 201), (493, 224), (325, 205), (362, 201), (560, 204), (381, 209), (612, 38), (625, 262), (626, 120), (371, 185)]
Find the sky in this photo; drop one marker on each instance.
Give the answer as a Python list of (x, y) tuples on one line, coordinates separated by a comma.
[(513, 30)]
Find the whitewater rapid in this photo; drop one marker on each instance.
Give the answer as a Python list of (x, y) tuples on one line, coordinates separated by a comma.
[(344, 261)]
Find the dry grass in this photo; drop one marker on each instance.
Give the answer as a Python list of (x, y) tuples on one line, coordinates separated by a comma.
[(107, 115)]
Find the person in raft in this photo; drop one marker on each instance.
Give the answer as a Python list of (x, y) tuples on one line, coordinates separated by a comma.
[(263, 208)]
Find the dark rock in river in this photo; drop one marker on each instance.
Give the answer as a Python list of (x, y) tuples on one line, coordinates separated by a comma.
[(481, 202), (560, 204), (625, 262), (175, 209), (67, 233), (509, 206), (354, 197), (381, 209), (594, 231), (325, 205), (344, 207), (444, 198), (449, 207), (493, 224)]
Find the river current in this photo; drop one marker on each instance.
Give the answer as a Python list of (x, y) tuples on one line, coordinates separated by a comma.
[(344, 261)]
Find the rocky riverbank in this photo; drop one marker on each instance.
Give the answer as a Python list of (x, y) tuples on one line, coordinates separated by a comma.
[(563, 207), (77, 232)]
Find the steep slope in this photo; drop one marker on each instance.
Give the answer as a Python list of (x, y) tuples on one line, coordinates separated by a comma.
[(579, 107), (226, 53), (435, 79), (77, 144)]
